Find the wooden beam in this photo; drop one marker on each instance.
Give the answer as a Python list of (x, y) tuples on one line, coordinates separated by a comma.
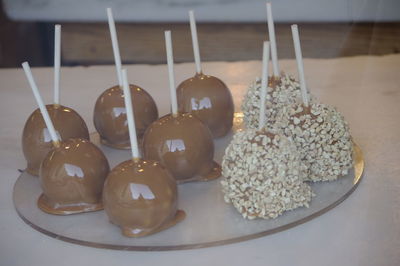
[(85, 43)]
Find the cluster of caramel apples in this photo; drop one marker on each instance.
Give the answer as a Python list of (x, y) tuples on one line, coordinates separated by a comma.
[(140, 195), (290, 139)]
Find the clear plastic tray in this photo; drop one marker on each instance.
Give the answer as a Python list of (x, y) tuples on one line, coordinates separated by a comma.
[(209, 222)]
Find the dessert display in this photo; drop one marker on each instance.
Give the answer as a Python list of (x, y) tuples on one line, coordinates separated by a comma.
[(180, 141), (36, 141), (205, 96), (72, 174), (282, 90), (109, 112), (269, 168), (263, 170), (140, 196)]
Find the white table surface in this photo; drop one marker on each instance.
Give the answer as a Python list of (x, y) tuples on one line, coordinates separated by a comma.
[(363, 230)]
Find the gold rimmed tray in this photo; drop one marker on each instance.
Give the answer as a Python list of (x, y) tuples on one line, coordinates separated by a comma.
[(209, 222)]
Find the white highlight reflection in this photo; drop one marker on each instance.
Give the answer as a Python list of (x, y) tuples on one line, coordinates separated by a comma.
[(73, 170), (138, 190), (175, 145), (119, 110), (204, 103)]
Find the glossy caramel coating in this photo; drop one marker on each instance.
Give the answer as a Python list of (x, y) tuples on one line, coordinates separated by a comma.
[(141, 198), (36, 140), (210, 100), (184, 145), (110, 115), (72, 178)]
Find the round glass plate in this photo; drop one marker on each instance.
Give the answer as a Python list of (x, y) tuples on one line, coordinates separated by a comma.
[(209, 222)]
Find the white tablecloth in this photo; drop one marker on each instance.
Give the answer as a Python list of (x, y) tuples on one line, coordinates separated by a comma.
[(363, 230)]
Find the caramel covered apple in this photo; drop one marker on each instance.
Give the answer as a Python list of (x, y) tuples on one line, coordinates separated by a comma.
[(323, 138), (205, 96), (110, 115), (184, 145), (264, 175), (209, 99), (140, 196), (109, 112), (72, 177)]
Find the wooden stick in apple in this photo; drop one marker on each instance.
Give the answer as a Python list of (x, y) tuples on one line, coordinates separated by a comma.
[(272, 39), (57, 63), (195, 42), (43, 110), (130, 116), (114, 41), (171, 75), (264, 83), (300, 66)]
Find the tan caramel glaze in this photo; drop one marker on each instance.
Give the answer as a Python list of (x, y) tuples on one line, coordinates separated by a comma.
[(210, 100), (184, 145), (72, 178), (110, 115), (274, 81), (36, 141), (141, 197)]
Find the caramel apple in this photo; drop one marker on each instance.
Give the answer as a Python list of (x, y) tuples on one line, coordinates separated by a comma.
[(109, 112), (264, 175), (72, 173), (322, 137), (110, 115), (184, 145), (72, 177), (207, 97), (140, 196)]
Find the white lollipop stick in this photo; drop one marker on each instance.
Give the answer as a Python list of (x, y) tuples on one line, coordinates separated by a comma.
[(170, 61), (130, 116), (271, 33), (300, 66), (264, 82), (57, 63), (114, 41), (42, 107), (195, 42)]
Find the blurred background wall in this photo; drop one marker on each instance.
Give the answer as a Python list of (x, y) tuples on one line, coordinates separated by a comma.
[(229, 30)]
